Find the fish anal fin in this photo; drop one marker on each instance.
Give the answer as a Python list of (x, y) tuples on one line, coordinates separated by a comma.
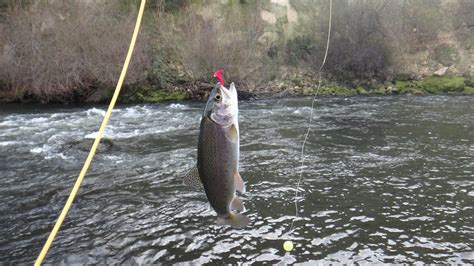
[(192, 180), (235, 220), (236, 204), (239, 183)]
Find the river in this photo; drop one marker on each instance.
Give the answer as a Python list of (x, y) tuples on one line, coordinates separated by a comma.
[(386, 179)]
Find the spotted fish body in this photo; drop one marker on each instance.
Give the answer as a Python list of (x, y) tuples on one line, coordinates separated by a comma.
[(217, 164), (218, 155)]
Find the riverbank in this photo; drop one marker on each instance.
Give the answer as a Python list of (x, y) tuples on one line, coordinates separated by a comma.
[(293, 85), (268, 48)]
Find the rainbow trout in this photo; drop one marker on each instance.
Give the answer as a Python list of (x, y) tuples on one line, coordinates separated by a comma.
[(218, 156)]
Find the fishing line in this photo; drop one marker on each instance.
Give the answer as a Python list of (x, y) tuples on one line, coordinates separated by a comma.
[(311, 117), (100, 133)]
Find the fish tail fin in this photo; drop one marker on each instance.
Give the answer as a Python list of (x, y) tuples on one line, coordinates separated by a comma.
[(235, 220)]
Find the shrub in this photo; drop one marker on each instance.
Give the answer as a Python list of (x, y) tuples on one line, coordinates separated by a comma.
[(230, 44), (442, 84), (468, 90), (302, 50), (60, 50), (446, 54)]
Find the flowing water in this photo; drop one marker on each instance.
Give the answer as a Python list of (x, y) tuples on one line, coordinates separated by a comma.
[(387, 179)]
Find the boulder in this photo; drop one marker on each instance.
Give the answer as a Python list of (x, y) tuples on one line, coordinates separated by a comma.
[(85, 145), (441, 72), (268, 17)]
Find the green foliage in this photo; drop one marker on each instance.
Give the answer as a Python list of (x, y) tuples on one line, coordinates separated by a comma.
[(441, 84), (361, 91), (380, 90), (468, 90), (144, 93), (160, 74), (159, 96), (403, 86), (301, 49), (469, 81), (431, 85), (336, 90)]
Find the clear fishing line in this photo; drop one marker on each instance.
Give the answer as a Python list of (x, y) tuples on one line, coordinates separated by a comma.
[(311, 119)]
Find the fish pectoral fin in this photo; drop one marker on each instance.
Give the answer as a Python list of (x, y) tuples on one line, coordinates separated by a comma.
[(239, 183), (232, 134), (235, 220), (191, 179), (236, 204)]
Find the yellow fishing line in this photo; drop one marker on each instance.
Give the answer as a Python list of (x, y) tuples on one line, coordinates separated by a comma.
[(71, 197)]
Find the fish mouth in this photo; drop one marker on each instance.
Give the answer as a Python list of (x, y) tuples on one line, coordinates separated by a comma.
[(225, 92)]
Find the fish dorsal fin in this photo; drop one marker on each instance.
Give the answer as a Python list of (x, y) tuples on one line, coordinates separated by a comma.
[(239, 183), (192, 180), (236, 204), (232, 134)]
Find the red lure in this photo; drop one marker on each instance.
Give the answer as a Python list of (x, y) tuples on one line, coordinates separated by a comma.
[(218, 76)]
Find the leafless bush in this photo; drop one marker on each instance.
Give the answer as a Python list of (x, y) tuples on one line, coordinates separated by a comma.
[(226, 39), (359, 48), (53, 51)]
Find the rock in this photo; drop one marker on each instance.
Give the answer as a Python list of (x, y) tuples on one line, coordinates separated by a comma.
[(85, 145), (268, 38), (380, 90), (292, 15), (268, 17), (7, 53), (100, 95), (441, 72), (361, 91), (309, 91), (283, 94), (392, 90)]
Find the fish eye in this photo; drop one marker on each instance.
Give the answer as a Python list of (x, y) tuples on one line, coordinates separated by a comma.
[(217, 97)]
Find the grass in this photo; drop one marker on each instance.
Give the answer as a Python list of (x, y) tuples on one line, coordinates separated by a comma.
[(433, 85), (468, 90), (438, 85)]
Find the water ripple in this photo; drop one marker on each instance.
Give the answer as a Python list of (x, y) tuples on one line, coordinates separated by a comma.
[(386, 180)]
